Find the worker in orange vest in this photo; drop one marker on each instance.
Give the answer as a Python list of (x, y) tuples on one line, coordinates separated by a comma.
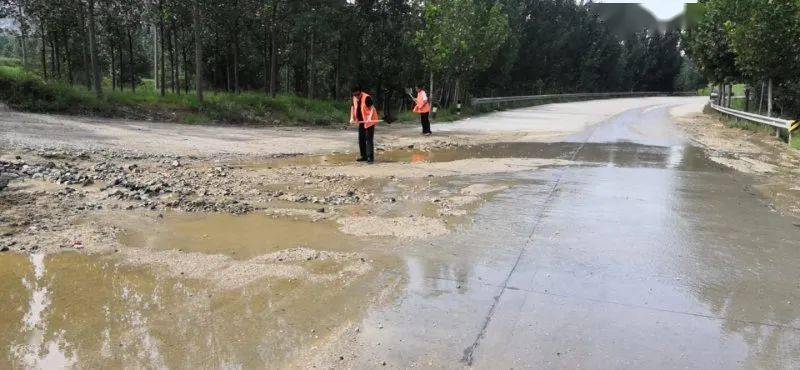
[(423, 108), (365, 115)]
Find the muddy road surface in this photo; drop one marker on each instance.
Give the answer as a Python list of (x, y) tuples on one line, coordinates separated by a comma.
[(621, 233)]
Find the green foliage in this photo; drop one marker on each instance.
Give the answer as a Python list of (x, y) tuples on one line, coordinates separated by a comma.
[(795, 143), (709, 44), (26, 91), (10, 62), (652, 61), (689, 78), (750, 41), (321, 48), (766, 41), (461, 36)]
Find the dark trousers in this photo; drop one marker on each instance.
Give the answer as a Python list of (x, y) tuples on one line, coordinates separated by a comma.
[(365, 141), (424, 118)]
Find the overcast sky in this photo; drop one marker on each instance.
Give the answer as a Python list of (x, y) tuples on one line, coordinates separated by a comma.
[(662, 9)]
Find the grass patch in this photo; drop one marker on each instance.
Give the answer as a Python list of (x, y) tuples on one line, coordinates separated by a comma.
[(795, 143), (747, 125), (26, 91), (10, 62)]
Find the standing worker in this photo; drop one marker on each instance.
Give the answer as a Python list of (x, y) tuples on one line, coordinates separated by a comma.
[(365, 115), (423, 108)]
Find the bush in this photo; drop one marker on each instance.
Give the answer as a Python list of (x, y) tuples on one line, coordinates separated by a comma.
[(795, 143), (10, 62), (28, 92)]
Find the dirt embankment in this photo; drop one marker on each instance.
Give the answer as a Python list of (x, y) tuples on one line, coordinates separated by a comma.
[(770, 161)]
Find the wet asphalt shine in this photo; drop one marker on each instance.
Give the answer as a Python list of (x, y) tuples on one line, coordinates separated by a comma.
[(645, 254)]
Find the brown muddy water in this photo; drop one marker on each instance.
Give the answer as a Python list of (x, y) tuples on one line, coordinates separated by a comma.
[(622, 153), (241, 236), (69, 309)]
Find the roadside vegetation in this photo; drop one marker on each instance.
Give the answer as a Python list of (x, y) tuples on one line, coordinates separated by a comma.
[(27, 91), (748, 50), (294, 62)]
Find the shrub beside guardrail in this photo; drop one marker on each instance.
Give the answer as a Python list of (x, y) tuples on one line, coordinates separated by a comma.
[(778, 123)]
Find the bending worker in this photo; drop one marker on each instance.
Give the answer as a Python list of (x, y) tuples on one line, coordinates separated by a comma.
[(365, 115), (423, 108)]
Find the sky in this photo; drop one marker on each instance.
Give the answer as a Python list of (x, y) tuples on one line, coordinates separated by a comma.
[(662, 9)]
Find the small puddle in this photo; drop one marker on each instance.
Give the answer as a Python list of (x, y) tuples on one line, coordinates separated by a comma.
[(241, 237)]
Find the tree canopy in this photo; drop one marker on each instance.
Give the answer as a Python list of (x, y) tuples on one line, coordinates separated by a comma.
[(319, 48), (751, 41)]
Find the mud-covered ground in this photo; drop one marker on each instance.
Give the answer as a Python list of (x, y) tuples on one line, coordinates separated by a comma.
[(140, 244), (773, 163)]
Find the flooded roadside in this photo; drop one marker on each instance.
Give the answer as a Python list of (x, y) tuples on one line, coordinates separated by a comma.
[(77, 309)]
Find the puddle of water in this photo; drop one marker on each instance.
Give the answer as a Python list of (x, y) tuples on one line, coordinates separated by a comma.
[(15, 274), (71, 308), (242, 236), (618, 154)]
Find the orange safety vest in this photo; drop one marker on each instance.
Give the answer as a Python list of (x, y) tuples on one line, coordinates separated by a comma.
[(422, 105), (370, 115)]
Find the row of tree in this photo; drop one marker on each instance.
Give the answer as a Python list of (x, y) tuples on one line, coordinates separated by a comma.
[(750, 41), (319, 48)]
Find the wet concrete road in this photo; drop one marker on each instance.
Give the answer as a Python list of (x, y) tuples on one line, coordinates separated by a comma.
[(650, 257)]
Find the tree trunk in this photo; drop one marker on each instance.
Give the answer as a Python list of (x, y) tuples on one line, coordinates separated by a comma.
[(23, 36), (747, 98), (228, 84), (761, 99), (198, 51), (337, 70), (84, 54), (163, 78), (44, 49), (455, 90), (155, 57), (93, 54), (113, 75), (172, 73), (131, 73), (273, 51), (430, 94), (236, 61), (266, 59), (311, 68), (769, 98), (53, 74), (185, 69), (57, 57), (69, 61)]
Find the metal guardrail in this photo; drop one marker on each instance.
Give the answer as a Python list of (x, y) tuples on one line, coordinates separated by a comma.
[(771, 121), (779, 123), (532, 98)]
